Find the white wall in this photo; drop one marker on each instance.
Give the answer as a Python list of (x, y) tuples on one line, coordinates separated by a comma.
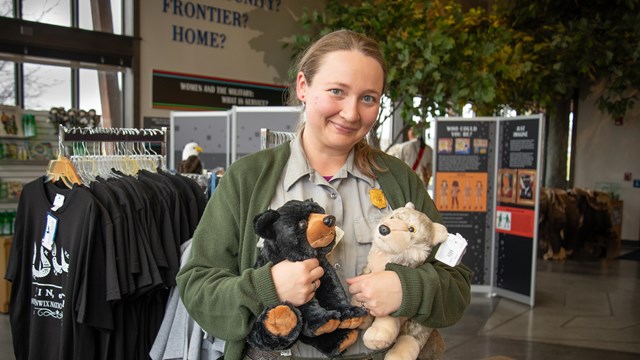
[(248, 45), (605, 152)]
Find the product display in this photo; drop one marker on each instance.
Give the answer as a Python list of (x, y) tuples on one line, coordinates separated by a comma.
[(91, 265), (29, 125), (73, 118), (7, 220)]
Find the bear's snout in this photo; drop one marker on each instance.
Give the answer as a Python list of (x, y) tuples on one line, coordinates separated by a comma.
[(329, 220), (384, 230)]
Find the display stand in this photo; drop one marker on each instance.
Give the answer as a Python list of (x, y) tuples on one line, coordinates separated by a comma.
[(207, 128), (225, 136), (487, 181)]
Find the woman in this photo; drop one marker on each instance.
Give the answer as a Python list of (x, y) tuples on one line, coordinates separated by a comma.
[(340, 81)]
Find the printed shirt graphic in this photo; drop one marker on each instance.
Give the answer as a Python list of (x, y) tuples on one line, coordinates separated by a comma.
[(49, 270)]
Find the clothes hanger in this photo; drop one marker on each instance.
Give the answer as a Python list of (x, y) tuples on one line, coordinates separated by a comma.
[(79, 162), (62, 169), (146, 161), (159, 160), (130, 163), (87, 165)]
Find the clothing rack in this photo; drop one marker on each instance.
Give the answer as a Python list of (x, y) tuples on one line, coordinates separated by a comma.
[(113, 135), (271, 138), (120, 231)]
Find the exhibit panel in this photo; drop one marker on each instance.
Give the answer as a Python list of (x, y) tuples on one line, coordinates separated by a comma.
[(487, 176), (518, 189), (464, 186)]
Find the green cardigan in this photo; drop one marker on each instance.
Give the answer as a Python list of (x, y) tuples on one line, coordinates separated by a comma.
[(224, 293)]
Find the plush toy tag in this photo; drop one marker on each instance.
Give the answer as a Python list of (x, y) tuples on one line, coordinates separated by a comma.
[(339, 236), (451, 250), (285, 352)]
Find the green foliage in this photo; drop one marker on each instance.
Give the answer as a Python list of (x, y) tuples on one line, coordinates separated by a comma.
[(579, 44), (433, 49), (525, 55)]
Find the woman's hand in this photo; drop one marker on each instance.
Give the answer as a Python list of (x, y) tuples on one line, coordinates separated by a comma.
[(296, 282), (379, 292)]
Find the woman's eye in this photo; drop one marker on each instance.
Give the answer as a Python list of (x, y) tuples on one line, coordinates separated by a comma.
[(302, 224), (369, 99), (336, 91)]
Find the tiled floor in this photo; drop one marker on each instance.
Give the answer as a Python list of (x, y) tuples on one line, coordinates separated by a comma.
[(584, 310)]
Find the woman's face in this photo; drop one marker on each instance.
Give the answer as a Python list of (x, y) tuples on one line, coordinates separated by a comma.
[(342, 100)]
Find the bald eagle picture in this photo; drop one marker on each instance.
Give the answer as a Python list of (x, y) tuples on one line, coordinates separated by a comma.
[(191, 163)]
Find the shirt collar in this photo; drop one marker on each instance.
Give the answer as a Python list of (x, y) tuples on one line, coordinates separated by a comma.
[(298, 167)]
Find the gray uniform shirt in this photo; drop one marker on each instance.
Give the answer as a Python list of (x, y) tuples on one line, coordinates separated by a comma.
[(345, 196)]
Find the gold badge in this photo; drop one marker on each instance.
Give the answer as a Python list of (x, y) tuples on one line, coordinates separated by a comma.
[(377, 198)]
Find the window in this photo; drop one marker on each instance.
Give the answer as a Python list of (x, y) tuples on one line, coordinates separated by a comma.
[(35, 81), (85, 20), (46, 86), (54, 12), (8, 81), (6, 8), (90, 91)]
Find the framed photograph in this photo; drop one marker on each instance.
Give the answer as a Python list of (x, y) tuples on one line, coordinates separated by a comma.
[(526, 194), (463, 146), (507, 186), (445, 146), (11, 122), (480, 146)]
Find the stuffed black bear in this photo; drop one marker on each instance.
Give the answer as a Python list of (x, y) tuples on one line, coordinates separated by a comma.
[(297, 231)]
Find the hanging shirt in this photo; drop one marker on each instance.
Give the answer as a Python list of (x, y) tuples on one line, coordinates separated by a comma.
[(63, 274)]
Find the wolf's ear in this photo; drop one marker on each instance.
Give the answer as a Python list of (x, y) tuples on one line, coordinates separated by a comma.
[(440, 233)]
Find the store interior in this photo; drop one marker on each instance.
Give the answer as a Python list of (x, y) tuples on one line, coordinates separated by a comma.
[(582, 305)]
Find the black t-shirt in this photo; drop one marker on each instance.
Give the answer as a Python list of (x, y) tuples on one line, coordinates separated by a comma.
[(181, 222), (108, 200), (200, 196), (60, 288), (189, 200), (138, 235), (166, 231)]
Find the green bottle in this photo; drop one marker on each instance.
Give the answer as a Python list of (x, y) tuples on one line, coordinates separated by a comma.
[(3, 221), (12, 221), (34, 125)]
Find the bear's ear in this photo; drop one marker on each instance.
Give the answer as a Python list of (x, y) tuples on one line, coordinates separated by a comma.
[(262, 224), (440, 233), (410, 205)]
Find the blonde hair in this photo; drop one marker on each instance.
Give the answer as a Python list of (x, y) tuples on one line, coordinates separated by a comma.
[(309, 62)]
